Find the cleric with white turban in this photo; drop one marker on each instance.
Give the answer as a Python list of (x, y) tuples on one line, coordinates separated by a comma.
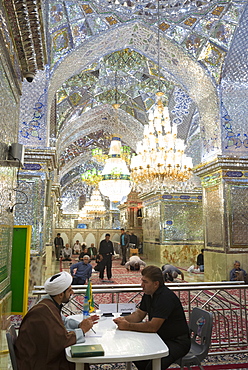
[(45, 332), (58, 283)]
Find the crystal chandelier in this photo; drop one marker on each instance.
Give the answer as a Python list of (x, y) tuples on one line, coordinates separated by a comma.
[(115, 183), (125, 154), (160, 163), (94, 208)]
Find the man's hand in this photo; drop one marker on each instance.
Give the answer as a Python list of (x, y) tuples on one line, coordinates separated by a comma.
[(87, 324), (122, 323)]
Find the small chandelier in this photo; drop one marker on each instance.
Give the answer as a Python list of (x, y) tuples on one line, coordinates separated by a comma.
[(115, 183), (100, 157), (160, 163), (94, 208)]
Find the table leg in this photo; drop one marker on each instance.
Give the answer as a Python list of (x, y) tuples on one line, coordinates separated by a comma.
[(79, 366), (156, 364), (128, 365)]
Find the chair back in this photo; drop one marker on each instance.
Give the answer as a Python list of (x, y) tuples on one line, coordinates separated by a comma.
[(11, 338), (200, 326), (133, 251)]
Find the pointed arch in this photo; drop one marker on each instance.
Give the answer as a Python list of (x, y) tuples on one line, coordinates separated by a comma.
[(184, 69)]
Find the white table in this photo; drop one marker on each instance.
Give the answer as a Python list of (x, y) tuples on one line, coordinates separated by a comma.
[(121, 346)]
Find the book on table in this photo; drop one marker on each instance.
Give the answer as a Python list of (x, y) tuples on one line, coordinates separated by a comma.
[(87, 350)]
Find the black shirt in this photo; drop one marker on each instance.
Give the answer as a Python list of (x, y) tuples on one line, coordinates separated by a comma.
[(164, 304), (200, 259), (106, 247)]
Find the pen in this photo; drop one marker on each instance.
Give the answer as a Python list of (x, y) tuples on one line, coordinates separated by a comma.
[(93, 330)]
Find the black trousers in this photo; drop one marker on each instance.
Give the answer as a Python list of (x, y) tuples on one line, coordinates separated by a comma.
[(57, 252), (106, 262), (78, 281), (178, 347), (124, 254)]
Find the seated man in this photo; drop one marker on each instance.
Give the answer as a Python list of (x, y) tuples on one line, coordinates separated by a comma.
[(166, 317), (171, 272), (200, 261), (92, 251), (77, 247), (45, 333), (237, 273), (84, 252), (83, 271), (134, 263), (66, 253)]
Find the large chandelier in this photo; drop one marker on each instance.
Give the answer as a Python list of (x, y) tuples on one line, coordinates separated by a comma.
[(160, 163)]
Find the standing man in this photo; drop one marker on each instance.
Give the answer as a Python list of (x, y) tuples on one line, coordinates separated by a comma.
[(166, 317), (59, 244), (124, 242), (45, 333), (83, 271), (133, 240), (106, 250)]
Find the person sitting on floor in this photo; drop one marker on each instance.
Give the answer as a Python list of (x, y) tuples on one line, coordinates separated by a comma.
[(83, 253), (77, 247), (83, 271), (134, 263), (92, 251), (237, 273), (66, 253), (200, 261), (171, 272), (45, 333)]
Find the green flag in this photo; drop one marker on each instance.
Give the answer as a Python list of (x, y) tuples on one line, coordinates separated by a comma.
[(90, 297)]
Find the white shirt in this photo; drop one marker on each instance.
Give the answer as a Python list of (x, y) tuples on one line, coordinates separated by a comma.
[(133, 260), (66, 252)]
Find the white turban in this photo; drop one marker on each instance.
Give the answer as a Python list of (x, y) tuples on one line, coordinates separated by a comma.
[(58, 283)]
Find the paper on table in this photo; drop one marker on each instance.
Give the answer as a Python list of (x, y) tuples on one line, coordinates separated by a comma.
[(126, 307), (108, 308)]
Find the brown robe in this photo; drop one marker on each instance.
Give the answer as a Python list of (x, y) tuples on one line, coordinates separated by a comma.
[(43, 338)]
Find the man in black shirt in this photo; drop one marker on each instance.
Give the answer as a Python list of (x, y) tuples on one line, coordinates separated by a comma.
[(59, 244), (200, 261), (166, 317), (106, 249), (124, 242)]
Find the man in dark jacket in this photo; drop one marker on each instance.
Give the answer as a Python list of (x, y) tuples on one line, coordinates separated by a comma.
[(106, 250), (59, 244), (124, 242)]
